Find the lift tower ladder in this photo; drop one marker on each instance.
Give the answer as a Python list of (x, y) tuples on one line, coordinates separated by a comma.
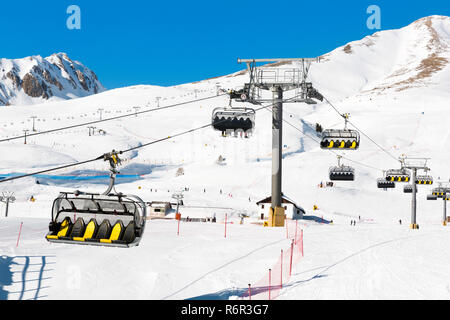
[(278, 80), (414, 164)]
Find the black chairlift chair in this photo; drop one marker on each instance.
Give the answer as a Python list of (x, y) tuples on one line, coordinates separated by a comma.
[(408, 189), (341, 172), (382, 183), (234, 120), (108, 219), (340, 138)]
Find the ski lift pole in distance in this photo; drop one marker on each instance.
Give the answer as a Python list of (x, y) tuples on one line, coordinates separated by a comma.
[(277, 81), (7, 198), (444, 193), (179, 197), (414, 164), (444, 222)]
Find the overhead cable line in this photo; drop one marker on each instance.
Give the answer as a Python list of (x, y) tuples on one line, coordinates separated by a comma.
[(161, 140), (110, 119), (118, 152)]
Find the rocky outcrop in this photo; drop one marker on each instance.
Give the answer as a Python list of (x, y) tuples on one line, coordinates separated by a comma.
[(32, 86)]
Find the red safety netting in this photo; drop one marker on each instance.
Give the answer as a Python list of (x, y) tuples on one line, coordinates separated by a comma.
[(271, 284)]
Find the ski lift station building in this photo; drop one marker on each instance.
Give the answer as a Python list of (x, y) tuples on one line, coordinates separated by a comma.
[(159, 209), (292, 210)]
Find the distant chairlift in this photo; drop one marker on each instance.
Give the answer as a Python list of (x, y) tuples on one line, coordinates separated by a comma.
[(383, 183), (341, 172), (340, 138), (408, 188), (236, 121), (398, 175), (439, 192), (424, 179)]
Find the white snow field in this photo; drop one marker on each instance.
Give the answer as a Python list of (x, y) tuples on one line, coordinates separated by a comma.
[(395, 86)]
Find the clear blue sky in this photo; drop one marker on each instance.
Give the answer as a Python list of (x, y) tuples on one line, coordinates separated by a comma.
[(171, 42)]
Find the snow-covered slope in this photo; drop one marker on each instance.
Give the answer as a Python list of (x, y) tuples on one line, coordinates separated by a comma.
[(34, 79), (395, 86)]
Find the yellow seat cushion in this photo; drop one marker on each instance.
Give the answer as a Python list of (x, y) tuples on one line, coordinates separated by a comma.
[(115, 233)]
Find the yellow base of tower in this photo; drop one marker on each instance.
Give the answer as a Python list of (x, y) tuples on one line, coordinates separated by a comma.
[(414, 226), (277, 217)]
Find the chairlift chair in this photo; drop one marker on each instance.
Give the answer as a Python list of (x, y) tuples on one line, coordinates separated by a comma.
[(440, 192), (382, 183), (431, 197), (341, 172), (234, 119), (398, 175), (424, 179), (108, 219), (408, 189), (340, 138)]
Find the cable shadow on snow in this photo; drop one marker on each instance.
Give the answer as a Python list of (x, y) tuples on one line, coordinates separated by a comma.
[(6, 275), (20, 265)]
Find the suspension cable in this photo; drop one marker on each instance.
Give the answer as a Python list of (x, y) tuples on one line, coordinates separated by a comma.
[(171, 137), (124, 151), (109, 119)]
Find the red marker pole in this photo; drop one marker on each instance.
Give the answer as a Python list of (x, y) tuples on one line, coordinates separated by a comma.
[(20, 231), (295, 238), (270, 273), (225, 225), (287, 231), (301, 240), (281, 270), (292, 253)]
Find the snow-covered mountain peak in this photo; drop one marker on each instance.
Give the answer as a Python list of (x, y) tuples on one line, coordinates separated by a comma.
[(34, 79), (391, 60)]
